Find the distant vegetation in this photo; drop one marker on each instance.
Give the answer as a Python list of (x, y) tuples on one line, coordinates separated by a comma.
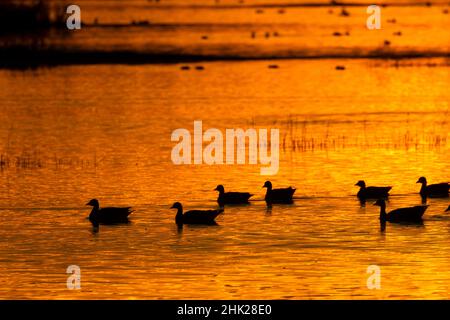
[(33, 15), (25, 29)]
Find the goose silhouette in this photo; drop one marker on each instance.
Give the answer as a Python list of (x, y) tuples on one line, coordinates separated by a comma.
[(283, 195), (411, 214), (371, 192), (206, 217), (231, 197), (433, 190), (448, 209), (107, 215)]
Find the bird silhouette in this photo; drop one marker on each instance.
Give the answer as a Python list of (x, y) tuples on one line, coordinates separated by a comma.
[(411, 214), (371, 192), (231, 197), (433, 190), (107, 215), (206, 217), (283, 195)]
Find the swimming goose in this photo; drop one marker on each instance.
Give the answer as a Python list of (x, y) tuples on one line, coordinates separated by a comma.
[(231, 197), (278, 195), (411, 214), (195, 216), (107, 215), (371, 192), (433, 190)]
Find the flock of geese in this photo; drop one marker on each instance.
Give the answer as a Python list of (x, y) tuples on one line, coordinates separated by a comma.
[(113, 215)]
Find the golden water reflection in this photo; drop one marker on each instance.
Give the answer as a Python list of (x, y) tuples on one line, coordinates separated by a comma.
[(69, 136)]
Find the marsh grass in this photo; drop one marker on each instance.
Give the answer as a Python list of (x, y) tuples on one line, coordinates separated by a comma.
[(308, 135), (414, 132), (396, 131), (36, 160), (304, 143)]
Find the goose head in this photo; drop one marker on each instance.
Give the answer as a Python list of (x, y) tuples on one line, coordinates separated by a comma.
[(220, 188), (177, 205), (93, 203), (267, 185), (361, 184), (422, 180)]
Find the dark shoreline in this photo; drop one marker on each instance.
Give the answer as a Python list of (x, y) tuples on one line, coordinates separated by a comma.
[(281, 5), (28, 58)]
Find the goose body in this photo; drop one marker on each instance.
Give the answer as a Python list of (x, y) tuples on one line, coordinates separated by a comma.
[(283, 195), (206, 217), (372, 192), (433, 190), (448, 209), (231, 197), (108, 214), (411, 214)]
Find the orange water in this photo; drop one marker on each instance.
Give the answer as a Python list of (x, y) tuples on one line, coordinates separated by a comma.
[(74, 133)]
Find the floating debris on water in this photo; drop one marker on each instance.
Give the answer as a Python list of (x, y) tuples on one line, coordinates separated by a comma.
[(344, 13)]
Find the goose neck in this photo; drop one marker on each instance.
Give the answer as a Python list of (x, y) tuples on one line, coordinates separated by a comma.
[(179, 215), (424, 187), (383, 214), (94, 213)]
